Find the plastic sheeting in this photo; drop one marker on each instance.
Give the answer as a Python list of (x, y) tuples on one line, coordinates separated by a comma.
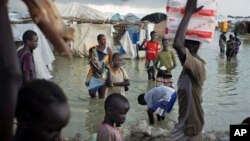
[(78, 10), (43, 55), (128, 46), (86, 37)]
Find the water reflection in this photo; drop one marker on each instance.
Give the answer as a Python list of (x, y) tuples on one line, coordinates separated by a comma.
[(94, 115)]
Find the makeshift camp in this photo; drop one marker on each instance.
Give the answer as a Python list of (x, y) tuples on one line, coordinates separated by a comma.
[(43, 56), (88, 23)]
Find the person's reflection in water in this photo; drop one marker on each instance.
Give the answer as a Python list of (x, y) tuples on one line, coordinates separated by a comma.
[(221, 63), (231, 67), (94, 115), (150, 85)]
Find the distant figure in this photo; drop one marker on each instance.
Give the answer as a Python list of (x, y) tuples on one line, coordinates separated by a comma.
[(25, 56), (160, 100), (116, 107), (152, 48), (222, 42), (230, 48), (42, 111), (190, 83), (237, 44), (167, 61), (118, 79), (99, 57)]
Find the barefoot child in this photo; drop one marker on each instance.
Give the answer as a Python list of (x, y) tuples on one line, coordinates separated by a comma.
[(118, 78), (116, 107), (159, 100), (42, 111)]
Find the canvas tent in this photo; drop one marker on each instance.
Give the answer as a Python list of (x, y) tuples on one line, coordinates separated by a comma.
[(131, 18), (86, 37), (78, 10), (43, 56), (116, 17)]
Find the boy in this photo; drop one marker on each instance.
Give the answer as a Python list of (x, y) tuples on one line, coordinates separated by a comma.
[(25, 56), (42, 111), (159, 100), (116, 107), (152, 48)]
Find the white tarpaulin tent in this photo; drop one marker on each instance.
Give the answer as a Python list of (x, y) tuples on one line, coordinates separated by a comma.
[(78, 10), (43, 55), (86, 37)]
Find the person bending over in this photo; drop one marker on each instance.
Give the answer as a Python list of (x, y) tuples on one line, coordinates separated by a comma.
[(160, 100)]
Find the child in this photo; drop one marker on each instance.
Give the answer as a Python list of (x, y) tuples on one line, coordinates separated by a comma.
[(116, 107), (159, 100), (152, 48), (42, 111), (118, 78), (167, 62), (25, 56)]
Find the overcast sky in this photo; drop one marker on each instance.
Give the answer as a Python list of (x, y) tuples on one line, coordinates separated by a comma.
[(225, 7)]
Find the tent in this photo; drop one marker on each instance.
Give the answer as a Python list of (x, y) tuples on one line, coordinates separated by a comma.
[(116, 17), (78, 10), (131, 18), (43, 56), (86, 37)]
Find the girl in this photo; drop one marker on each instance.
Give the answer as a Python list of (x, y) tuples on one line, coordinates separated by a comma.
[(118, 78)]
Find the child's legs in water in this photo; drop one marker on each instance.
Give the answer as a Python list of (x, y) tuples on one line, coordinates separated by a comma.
[(92, 93), (102, 92)]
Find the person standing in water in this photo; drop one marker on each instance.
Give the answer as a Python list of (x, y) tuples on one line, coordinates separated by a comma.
[(190, 83)]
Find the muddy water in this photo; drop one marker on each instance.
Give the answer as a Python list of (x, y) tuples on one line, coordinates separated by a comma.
[(226, 91)]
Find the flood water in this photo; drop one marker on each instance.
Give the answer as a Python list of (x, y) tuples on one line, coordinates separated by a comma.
[(226, 92)]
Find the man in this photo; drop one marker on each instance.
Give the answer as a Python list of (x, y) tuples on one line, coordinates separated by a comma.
[(99, 57), (167, 61), (222, 42), (160, 100), (151, 48), (25, 55), (191, 116)]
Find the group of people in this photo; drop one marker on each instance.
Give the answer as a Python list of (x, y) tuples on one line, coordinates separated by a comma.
[(232, 45), (163, 61), (160, 100), (41, 108)]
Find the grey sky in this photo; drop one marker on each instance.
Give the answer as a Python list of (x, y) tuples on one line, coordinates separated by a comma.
[(225, 7)]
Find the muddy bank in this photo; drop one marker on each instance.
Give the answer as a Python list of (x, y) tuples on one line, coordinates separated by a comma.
[(141, 131)]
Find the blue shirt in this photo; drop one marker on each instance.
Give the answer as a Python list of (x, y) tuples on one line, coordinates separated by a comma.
[(158, 94)]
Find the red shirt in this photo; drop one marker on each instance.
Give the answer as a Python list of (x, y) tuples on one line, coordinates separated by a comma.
[(151, 50)]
